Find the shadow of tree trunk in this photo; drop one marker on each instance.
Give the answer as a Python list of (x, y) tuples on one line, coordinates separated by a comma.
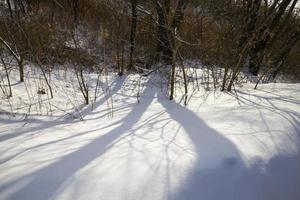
[(213, 151), (44, 183)]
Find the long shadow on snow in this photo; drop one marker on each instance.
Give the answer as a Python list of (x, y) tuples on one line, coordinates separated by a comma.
[(44, 183), (43, 124), (212, 150), (219, 172)]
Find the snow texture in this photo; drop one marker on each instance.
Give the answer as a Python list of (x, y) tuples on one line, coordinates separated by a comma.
[(218, 147)]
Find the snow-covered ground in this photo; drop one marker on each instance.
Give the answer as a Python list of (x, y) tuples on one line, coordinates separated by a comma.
[(225, 146)]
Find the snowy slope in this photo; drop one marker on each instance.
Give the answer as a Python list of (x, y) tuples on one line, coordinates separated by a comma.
[(217, 147)]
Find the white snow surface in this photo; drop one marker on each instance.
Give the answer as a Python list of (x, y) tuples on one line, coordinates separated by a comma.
[(217, 147)]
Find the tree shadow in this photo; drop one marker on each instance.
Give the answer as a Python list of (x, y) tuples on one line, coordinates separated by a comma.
[(217, 172), (217, 158), (41, 184), (279, 179), (45, 124)]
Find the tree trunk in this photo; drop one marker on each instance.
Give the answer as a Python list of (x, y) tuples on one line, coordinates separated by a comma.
[(18, 58), (133, 30), (82, 85), (252, 8), (21, 69), (10, 9), (172, 78), (164, 50), (278, 63), (7, 76), (258, 50), (256, 55), (259, 39)]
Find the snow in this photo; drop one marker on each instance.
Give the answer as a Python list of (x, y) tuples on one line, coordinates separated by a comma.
[(220, 146)]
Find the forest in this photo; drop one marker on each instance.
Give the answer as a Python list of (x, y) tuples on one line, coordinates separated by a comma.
[(149, 99), (258, 38)]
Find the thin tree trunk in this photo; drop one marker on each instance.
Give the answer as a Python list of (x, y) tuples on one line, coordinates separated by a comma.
[(224, 79), (82, 85), (184, 79), (261, 36), (10, 9), (163, 31), (133, 30), (257, 53), (19, 58), (7, 76), (278, 63), (47, 81), (21, 69), (172, 78)]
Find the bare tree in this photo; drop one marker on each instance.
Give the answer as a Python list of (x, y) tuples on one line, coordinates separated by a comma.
[(259, 40), (133, 32), (17, 57)]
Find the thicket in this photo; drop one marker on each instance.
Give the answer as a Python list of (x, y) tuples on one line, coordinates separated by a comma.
[(256, 37)]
